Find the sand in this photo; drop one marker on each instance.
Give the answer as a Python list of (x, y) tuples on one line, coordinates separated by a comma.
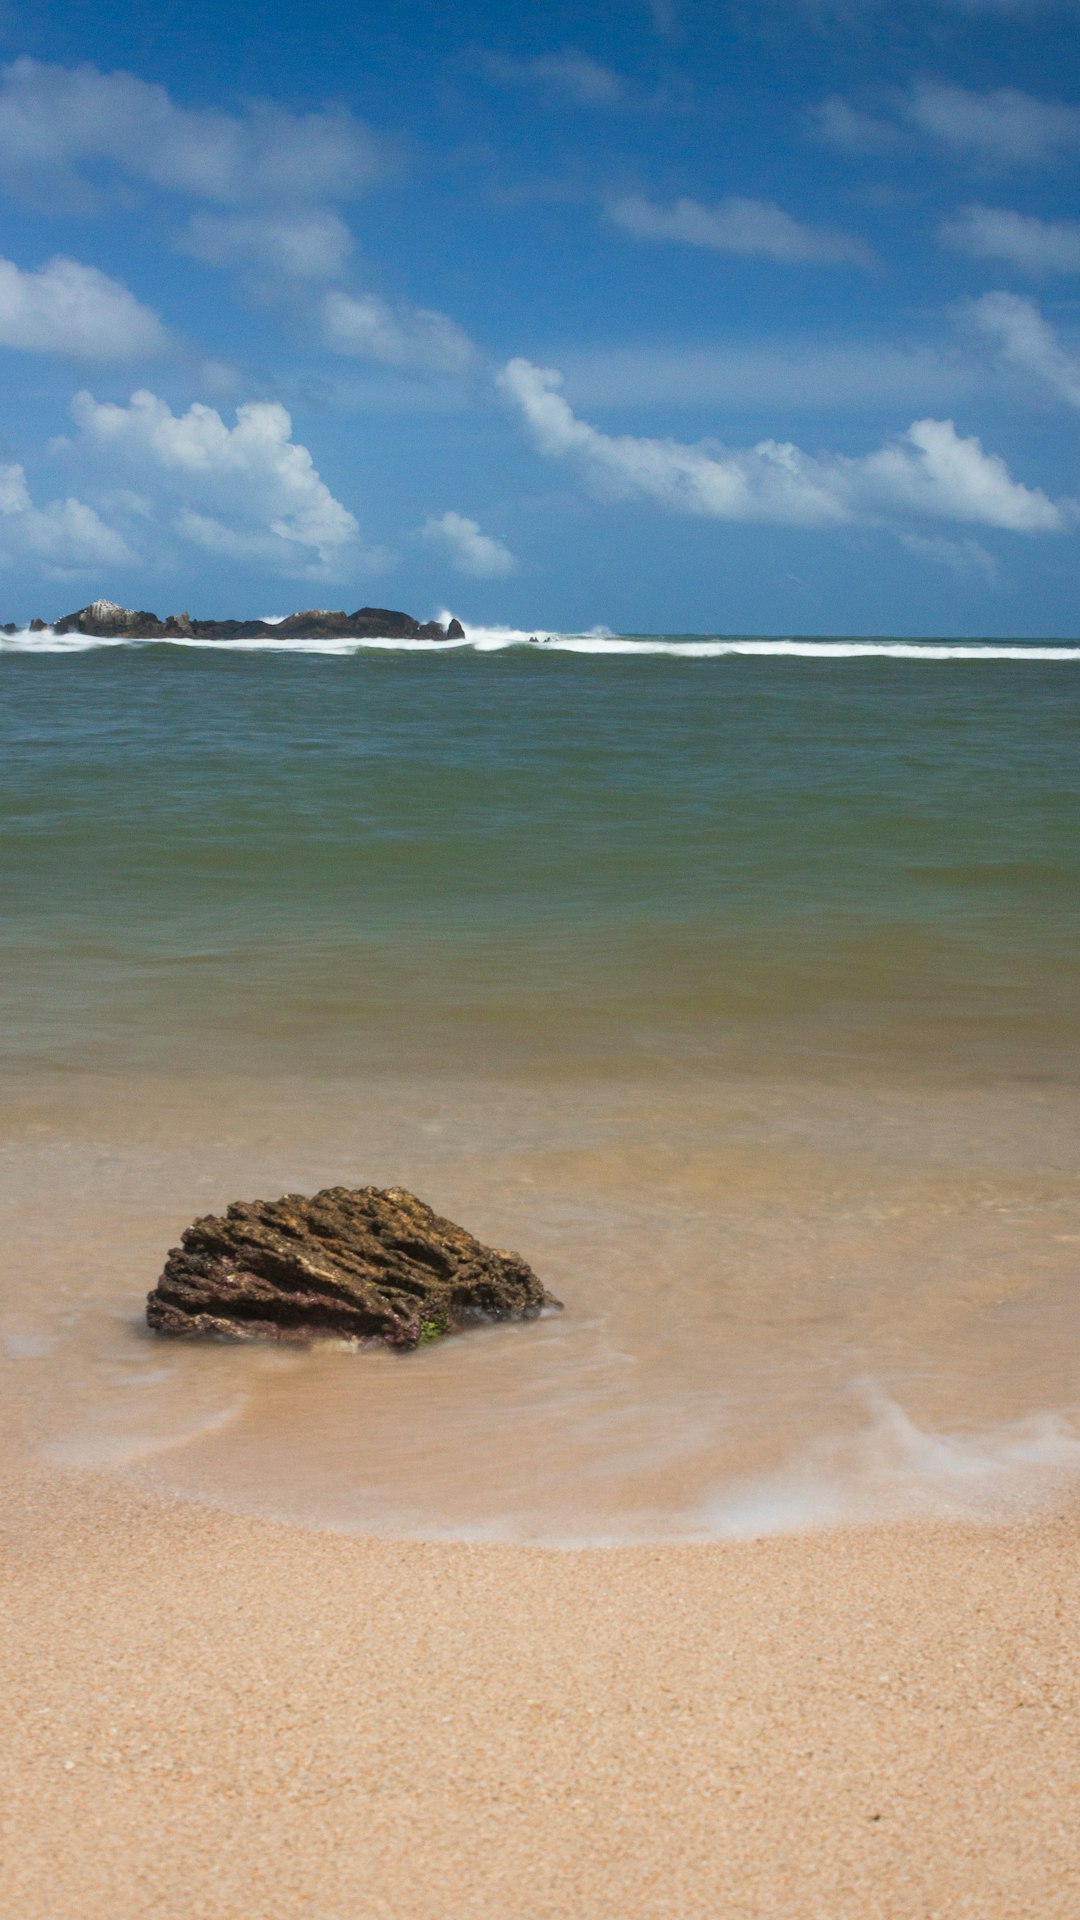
[(231, 1719)]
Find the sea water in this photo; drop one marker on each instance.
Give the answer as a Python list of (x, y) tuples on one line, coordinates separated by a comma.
[(735, 982)]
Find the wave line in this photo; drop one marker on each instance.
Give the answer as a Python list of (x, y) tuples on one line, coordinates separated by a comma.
[(599, 643)]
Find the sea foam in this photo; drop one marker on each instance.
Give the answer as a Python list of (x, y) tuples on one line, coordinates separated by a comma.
[(599, 642)]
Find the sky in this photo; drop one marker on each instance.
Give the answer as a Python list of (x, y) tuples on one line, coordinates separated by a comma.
[(666, 315)]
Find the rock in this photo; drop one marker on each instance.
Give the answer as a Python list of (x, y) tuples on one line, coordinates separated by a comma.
[(368, 1264), (383, 623), (106, 619)]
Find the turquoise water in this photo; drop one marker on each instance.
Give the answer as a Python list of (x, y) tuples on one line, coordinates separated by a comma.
[(739, 990), (528, 859)]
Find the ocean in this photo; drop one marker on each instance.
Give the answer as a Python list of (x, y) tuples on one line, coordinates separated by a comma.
[(736, 983)]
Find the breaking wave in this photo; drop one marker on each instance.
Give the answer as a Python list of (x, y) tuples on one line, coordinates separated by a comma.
[(598, 642)]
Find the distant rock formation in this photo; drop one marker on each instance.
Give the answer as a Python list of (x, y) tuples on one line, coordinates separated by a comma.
[(105, 620), (366, 1264)]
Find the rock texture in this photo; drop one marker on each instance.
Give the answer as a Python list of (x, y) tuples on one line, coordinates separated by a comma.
[(368, 1264), (105, 620)]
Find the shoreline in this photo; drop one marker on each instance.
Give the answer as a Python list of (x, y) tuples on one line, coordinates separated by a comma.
[(782, 1305), (232, 1717)]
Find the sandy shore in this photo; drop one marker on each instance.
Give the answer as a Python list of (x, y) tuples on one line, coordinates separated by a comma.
[(215, 1717)]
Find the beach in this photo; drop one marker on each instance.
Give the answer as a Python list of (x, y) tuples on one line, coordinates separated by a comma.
[(540, 1121), (739, 994), (223, 1717)]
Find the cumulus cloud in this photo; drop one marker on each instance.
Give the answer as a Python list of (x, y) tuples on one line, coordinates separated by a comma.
[(248, 491), (994, 233), (468, 549), (929, 472), (416, 339), (71, 309), (933, 471), (305, 243), (59, 126), (736, 225), (1025, 339), (572, 76), (66, 536)]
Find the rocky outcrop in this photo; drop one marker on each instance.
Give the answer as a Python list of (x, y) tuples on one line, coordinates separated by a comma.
[(105, 620), (366, 1264)]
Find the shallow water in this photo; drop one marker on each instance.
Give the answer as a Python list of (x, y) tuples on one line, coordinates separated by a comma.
[(740, 992)]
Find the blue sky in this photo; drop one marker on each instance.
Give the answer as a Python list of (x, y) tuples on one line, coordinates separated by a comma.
[(658, 314)]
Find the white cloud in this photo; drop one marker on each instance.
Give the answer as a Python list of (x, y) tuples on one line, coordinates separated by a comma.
[(929, 472), (71, 309), (994, 233), (571, 75), (248, 490), (933, 471), (1027, 341), (1001, 127), (57, 120), (469, 550), (66, 536), (307, 243), (736, 225), (413, 338)]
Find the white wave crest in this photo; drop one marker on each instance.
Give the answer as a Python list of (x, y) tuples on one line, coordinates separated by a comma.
[(598, 642)]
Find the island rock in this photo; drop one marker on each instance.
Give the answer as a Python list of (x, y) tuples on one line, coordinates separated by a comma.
[(104, 619), (366, 1264)]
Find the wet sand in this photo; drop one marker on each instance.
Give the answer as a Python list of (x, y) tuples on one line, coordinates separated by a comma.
[(222, 1717)]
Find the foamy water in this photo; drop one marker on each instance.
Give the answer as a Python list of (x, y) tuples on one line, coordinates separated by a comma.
[(598, 643)]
